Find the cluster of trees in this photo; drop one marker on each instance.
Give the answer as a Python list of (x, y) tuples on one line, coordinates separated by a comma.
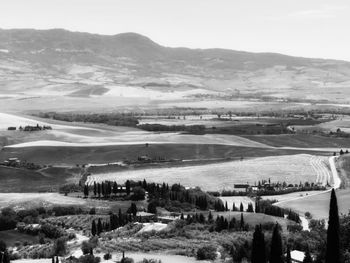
[(195, 129), (110, 189), (159, 194), (267, 207), (9, 218), (115, 221), (274, 189), (115, 119)]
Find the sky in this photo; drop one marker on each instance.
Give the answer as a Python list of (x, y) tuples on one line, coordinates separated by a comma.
[(308, 28)]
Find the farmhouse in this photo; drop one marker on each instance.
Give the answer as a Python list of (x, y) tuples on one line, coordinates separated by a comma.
[(12, 162), (241, 187), (145, 216), (11, 128)]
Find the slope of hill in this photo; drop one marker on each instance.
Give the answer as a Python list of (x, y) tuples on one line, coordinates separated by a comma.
[(130, 69)]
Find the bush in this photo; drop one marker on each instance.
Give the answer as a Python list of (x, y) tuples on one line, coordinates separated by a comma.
[(206, 252), (107, 256), (138, 194)]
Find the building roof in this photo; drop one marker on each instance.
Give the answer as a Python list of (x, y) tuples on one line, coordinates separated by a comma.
[(141, 213), (297, 255)]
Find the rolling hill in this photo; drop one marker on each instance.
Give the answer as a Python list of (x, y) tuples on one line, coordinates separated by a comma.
[(51, 68)]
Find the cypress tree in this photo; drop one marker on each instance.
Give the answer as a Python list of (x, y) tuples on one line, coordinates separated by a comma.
[(288, 257), (242, 221), (99, 227), (127, 187), (307, 258), (333, 243), (86, 190), (258, 246), (93, 228), (115, 188), (241, 207), (276, 252), (95, 189)]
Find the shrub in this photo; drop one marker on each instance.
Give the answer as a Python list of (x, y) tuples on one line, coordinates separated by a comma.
[(206, 252), (107, 256)]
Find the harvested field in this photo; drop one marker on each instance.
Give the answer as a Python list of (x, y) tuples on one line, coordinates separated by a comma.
[(318, 205), (220, 176)]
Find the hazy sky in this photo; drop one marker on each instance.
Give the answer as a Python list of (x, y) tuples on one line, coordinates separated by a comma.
[(310, 28)]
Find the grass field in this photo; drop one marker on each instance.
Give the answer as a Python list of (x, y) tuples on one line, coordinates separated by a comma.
[(24, 180), (220, 176), (11, 237), (318, 205)]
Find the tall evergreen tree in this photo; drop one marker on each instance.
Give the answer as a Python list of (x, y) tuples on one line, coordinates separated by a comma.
[(241, 208), (307, 257), (288, 257), (276, 252), (93, 228), (333, 242), (242, 221), (115, 188), (127, 187), (99, 227), (86, 190), (258, 246), (95, 189)]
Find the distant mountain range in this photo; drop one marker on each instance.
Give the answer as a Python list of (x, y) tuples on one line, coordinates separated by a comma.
[(59, 62)]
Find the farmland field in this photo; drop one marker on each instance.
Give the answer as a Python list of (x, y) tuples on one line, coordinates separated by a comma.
[(69, 155), (318, 205), (11, 237), (220, 176)]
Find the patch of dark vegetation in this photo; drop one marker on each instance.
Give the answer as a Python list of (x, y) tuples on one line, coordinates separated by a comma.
[(114, 119)]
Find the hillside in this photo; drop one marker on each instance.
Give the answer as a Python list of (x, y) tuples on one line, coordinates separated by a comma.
[(131, 70)]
